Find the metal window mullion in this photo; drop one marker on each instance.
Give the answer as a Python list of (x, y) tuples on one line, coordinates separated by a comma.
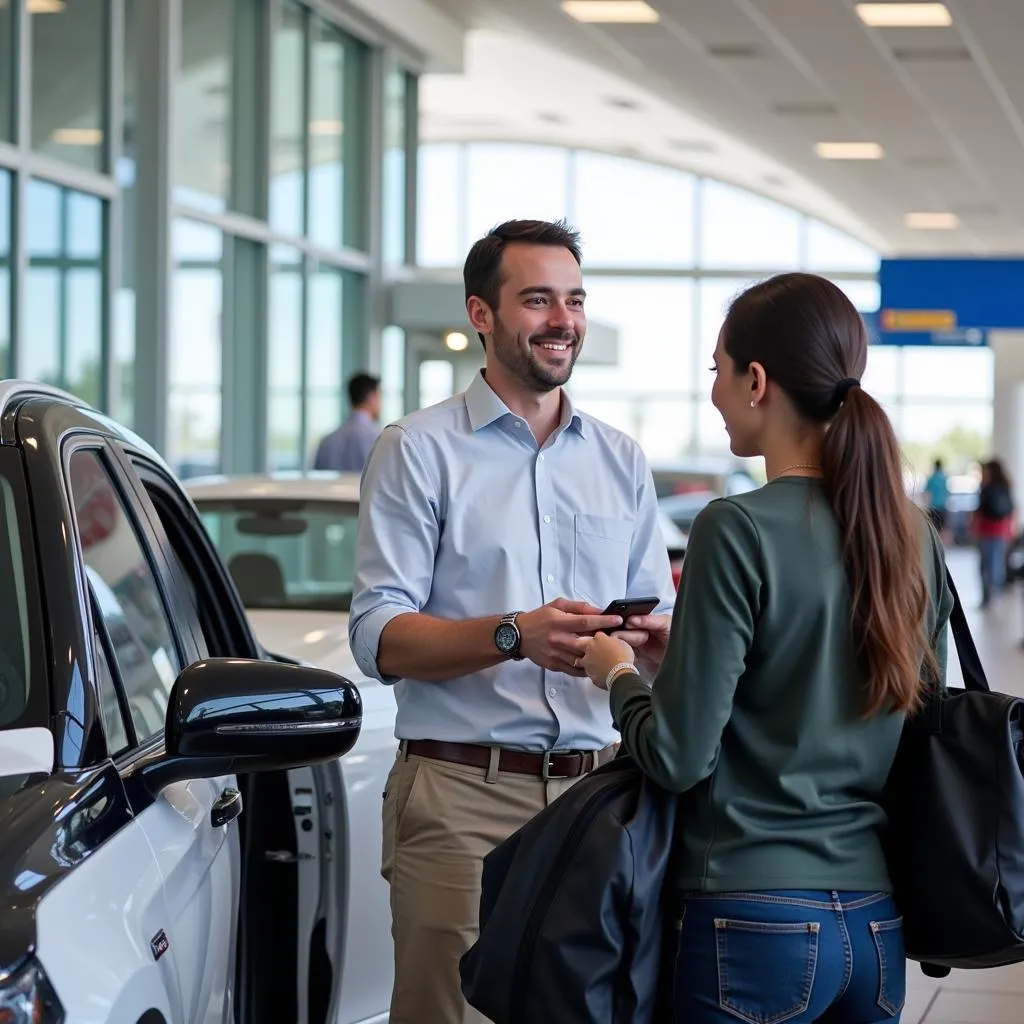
[(306, 268), (113, 221), (228, 320), (19, 183), (62, 294), (307, 115), (412, 143), (159, 52)]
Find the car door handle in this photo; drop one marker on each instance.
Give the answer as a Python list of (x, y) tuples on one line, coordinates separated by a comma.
[(227, 807)]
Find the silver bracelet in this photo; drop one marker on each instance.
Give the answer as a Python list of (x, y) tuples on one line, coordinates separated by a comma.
[(622, 666)]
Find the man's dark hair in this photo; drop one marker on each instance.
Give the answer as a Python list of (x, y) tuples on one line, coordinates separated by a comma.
[(482, 270), (360, 387)]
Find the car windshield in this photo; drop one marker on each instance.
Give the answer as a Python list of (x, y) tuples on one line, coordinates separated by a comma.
[(286, 554), (15, 641)]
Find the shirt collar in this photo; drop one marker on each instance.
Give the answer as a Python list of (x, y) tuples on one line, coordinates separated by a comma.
[(485, 407)]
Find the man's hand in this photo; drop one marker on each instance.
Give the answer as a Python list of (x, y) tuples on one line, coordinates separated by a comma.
[(554, 635), (648, 636)]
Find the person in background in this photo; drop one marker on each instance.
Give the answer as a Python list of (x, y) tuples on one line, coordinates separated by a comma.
[(493, 528), (811, 616), (993, 526), (936, 490), (346, 449)]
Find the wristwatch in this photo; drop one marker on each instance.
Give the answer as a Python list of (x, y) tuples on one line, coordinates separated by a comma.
[(507, 637)]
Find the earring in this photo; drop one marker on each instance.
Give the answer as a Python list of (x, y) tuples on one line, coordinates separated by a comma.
[(753, 404)]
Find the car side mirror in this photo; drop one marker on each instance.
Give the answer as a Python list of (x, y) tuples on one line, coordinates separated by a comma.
[(231, 715)]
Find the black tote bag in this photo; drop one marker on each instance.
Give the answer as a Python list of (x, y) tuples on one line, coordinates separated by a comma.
[(955, 839)]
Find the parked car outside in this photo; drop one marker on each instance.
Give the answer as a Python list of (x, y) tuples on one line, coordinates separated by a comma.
[(175, 803)]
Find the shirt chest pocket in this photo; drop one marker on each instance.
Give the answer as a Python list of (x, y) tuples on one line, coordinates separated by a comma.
[(600, 565)]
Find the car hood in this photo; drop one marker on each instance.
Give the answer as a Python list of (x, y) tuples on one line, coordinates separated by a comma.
[(320, 638)]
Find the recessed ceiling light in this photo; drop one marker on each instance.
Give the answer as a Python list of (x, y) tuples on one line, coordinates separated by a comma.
[(611, 12), (77, 136), (456, 341), (920, 15), (45, 6), (849, 151), (932, 221)]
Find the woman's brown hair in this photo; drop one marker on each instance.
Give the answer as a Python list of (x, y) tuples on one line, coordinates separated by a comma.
[(812, 343)]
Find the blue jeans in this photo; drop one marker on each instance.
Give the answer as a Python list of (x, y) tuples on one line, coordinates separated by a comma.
[(993, 565), (769, 957)]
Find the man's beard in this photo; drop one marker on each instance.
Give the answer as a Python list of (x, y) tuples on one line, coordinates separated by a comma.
[(525, 366)]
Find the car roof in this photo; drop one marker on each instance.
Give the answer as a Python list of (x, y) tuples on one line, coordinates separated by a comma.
[(12, 391), (299, 486)]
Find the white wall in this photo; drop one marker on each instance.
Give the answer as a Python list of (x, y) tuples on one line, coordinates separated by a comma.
[(1008, 405)]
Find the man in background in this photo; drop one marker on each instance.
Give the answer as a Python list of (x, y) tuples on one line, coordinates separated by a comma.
[(346, 449), (937, 492)]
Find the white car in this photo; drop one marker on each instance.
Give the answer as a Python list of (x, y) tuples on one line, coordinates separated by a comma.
[(289, 543), (177, 808)]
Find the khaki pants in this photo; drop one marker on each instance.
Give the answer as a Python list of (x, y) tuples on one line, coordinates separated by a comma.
[(440, 821)]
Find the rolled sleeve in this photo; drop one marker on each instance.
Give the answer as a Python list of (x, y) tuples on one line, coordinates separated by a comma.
[(396, 544), (650, 572)]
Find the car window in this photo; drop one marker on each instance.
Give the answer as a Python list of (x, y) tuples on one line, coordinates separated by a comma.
[(126, 594), (286, 554), (15, 669), (113, 720)]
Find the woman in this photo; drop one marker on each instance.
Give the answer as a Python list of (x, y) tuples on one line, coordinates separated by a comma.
[(993, 526), (809, 613)]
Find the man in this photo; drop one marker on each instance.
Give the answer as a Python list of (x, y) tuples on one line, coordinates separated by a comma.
[(936, 490), (346, 449), (493, 529)]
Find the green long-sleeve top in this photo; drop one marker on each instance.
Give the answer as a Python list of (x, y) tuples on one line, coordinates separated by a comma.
[(757, 710)]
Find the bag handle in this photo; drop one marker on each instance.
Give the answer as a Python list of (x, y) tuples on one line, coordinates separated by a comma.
[(970, 664)]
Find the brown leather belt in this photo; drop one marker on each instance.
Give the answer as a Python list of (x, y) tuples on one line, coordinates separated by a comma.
[(562, 764)]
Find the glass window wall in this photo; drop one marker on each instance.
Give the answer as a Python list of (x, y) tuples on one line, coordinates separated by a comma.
[(69, 61), (5, 274), (398, 97), (197, 338), (6, 71), (64, 290)]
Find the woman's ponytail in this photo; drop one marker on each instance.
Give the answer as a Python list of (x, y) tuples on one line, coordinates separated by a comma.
[(881, 545)]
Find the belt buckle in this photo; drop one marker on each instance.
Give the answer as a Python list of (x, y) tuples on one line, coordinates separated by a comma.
[(545, 768)]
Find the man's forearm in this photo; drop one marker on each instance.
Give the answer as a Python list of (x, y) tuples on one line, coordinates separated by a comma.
[(418, 646)]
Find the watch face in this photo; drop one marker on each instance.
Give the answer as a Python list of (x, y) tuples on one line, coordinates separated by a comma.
[(506, 637)]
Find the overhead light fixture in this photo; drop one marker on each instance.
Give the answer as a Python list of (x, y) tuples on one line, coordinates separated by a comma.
[(77, 136), (920, 15), (45, 6), (331, 128), (933, 221), (456, 341), (849, 151), (611, 12)]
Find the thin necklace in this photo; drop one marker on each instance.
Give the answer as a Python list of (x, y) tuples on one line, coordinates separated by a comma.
[(799, 465)]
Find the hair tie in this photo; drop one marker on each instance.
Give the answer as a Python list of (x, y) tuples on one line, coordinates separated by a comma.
[(842, 389)]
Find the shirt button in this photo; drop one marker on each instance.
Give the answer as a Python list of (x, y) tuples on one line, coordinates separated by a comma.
[(551, 579), (547, 519), (541, 457), (519, 424), (552, 692)]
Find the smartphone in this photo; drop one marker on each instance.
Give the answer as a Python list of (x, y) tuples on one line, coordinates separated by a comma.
[(627, 606)]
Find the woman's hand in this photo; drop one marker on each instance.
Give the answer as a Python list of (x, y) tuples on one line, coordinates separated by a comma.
[(603, 654), (648, 636)]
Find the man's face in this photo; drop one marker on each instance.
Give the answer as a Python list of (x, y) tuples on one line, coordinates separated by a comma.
[(538, 329), (373, 404)]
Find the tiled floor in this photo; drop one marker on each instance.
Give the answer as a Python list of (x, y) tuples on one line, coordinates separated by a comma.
[(995, 996)]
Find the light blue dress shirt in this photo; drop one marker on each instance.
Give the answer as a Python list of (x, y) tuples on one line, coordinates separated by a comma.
[(461, 515), (346, 449)]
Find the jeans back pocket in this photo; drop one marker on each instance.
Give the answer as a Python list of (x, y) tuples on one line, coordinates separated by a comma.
[(765, 970), (892, 964)]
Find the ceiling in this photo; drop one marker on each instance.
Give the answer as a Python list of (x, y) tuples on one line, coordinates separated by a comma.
[(743, 89)]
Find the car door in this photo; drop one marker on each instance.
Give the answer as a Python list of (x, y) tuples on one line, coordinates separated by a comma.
[(146, 633), (295, 878)]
